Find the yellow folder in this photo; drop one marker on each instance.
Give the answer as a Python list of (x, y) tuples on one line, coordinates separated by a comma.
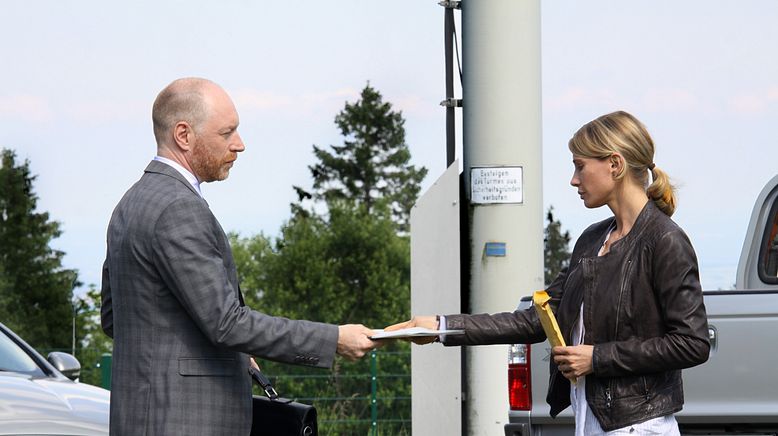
[(540, 301)]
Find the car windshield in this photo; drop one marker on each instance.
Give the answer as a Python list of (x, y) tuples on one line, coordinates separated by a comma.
[(13, 358)]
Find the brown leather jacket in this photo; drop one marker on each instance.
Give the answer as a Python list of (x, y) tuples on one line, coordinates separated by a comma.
[(643, 312)]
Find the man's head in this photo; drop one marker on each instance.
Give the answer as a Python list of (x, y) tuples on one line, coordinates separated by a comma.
[(196, 125)]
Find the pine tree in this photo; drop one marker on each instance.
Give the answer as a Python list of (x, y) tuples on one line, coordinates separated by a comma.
[(372, 165), (35, 291), (350, 264), (92, 341), (556, 252), (348, 267)]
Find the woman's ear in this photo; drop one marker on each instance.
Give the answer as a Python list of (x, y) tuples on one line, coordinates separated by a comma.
[(617, 165)]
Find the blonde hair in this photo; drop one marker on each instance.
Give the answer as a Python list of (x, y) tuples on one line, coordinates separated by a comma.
[(620, 132)]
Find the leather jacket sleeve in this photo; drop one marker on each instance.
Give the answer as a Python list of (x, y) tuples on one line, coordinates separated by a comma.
[(684, 341), (521, 326)]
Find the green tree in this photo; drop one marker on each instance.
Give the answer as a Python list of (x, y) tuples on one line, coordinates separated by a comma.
[(36, 289), (348, 262), (372, 165), (93, 342), (348, 267), (333, 269), (556, 253)]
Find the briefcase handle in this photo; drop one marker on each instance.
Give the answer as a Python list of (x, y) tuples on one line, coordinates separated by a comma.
[(264, 382)]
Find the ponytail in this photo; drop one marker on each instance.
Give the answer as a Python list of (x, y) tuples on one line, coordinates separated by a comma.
[(620, 132), (661, 191)]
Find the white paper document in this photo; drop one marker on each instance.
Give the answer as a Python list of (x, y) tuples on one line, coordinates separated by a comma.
[(413, 332)]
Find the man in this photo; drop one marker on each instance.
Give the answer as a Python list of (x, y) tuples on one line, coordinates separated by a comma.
[(170, 294)]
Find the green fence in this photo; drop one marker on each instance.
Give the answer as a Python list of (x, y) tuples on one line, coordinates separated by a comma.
[(369, 397)]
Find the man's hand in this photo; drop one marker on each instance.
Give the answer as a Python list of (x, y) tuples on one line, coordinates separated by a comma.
[(354, 341), (428, 322), (574, 361)]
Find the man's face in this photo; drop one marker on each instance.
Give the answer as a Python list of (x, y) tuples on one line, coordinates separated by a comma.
[(217, 142)]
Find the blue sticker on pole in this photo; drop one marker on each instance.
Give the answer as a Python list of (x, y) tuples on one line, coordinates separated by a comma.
[(495, 249)]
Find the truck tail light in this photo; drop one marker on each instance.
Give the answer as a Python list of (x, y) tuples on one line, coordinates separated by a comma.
[(519, 377)]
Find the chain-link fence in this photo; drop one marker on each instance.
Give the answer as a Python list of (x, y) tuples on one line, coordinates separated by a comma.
[(371, 396)]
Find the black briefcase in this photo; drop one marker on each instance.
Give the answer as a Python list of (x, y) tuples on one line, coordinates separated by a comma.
[(276, 416)]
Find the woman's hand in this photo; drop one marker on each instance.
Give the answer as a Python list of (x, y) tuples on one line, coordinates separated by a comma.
[(428, 322), (574, 361)]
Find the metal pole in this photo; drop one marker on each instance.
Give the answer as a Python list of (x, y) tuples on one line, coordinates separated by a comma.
[(73, 342), (374, 393), (502, 148), (105, 370), (448, 43), (73, 285)]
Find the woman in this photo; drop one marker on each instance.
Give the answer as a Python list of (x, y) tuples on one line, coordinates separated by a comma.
[(630, 303)]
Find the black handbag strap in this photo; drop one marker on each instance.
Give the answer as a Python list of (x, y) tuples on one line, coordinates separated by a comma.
[(264, 382)]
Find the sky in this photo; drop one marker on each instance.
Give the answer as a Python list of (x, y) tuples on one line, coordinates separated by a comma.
[(79, 77)]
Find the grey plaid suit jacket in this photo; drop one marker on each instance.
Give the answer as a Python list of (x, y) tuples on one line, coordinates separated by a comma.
[(171, 302)]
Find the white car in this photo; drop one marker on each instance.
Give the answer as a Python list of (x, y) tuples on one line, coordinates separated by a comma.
[(40, 397)]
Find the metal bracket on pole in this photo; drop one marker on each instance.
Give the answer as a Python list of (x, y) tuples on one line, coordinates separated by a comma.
[(450, 103)]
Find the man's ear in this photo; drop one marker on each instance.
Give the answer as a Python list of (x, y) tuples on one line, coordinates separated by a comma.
[(183, 135)]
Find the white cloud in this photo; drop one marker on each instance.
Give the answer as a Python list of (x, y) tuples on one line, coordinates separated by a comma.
[(327, 102), (660, 99), (772, 93), (748, 104), (413, 104), (567, 99), (671, 100), (25, 107), (752, 103), (248, 99), (101, 111)]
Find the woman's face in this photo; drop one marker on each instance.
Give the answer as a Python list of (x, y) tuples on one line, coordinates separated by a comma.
[(594, 180)]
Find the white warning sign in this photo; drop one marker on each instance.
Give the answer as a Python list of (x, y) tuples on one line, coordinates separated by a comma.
[(490, 185)]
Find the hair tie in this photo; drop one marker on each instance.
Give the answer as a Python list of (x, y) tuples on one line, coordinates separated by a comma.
[(652, 166)]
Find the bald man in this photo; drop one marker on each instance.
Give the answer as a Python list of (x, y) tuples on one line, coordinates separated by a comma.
[(171, 300)]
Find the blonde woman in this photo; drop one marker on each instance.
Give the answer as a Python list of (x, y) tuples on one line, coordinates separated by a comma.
[(630, 304)]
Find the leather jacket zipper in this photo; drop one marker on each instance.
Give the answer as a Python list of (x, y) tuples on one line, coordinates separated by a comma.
[(621, 294), (569, 336)]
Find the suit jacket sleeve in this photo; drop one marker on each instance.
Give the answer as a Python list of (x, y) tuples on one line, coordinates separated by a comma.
[(106, 306), (188, 245)]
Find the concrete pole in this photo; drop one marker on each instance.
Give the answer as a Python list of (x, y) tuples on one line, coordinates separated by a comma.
[(501, 128)]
